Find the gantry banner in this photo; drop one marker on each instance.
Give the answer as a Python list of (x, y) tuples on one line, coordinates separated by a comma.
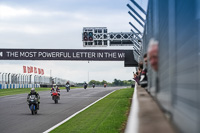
[(64, 54)]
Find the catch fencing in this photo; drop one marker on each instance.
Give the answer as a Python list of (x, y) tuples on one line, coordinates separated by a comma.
[(176, 25)]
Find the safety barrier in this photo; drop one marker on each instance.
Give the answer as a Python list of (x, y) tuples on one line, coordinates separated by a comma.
[(12, 81), (14, 86)]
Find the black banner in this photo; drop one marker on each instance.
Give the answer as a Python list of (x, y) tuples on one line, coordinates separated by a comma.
[(63, 54)]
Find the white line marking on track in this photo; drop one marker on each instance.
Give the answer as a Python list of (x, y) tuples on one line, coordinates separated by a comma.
[(52, 128)]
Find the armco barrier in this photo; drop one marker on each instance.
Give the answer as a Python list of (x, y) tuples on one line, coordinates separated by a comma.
[(132, 125), (11, 80), (14, 86)]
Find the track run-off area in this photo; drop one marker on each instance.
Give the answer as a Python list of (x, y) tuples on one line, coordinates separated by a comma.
[(16, 116)]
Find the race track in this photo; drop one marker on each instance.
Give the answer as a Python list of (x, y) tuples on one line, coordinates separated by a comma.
[(15, 116)]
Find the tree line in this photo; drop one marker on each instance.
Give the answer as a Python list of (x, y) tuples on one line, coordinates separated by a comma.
[(116, 82)]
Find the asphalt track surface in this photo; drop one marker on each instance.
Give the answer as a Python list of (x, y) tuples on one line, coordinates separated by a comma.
[(15, 116)]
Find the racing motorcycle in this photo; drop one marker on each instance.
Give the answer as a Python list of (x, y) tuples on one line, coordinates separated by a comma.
[(67, 87), (33, 104), (93, 85), (55, 96), (104, 85), (85, 86)]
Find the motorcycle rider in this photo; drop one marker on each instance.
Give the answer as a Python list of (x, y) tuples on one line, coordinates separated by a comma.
[(67, 85), (104, 85), (85, 85), (56, 89), (93, 85), (33, 92)]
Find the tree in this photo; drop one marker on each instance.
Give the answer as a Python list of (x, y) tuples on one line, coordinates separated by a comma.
[(103, 82), (91, 82), (116, 82)]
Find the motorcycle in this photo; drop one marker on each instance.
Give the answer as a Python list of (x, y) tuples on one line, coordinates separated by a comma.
[(55, 96), (93, 85), (104, 85), (33, 104), (67, 87), (85, 86)]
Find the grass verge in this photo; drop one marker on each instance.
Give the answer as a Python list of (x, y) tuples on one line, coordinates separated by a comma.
[(109, 115), (5, 92)]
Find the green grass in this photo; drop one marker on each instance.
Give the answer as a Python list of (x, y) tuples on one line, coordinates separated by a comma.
[(109, 115), (5, 92)]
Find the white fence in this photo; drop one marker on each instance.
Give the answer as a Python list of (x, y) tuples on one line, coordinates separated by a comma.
[(11, 81)]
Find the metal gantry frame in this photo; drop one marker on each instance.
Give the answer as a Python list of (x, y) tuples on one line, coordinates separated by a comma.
[(102, 38), (137, 38)]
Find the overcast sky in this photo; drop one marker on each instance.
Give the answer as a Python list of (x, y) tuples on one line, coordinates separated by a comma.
[(58, 24)]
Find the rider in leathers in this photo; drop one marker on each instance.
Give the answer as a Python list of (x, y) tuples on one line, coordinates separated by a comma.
[(67, 84), (33, 92), (57, 90)]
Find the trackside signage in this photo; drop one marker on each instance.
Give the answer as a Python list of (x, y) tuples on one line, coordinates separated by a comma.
[(63, 54)]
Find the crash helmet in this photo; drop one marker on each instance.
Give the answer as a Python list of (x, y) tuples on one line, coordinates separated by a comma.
[(32, 90)]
